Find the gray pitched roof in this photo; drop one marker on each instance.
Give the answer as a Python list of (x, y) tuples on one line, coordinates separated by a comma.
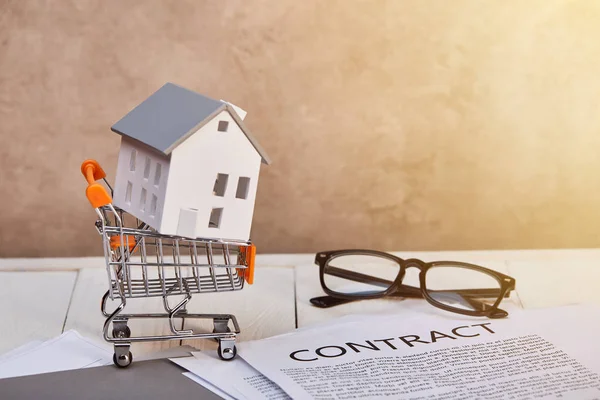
[(170, 115)]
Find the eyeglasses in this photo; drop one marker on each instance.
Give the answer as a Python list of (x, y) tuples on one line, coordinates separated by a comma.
[(350, 275)]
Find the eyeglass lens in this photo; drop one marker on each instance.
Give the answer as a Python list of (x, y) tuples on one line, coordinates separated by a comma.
[(360, 275), (461, 287)]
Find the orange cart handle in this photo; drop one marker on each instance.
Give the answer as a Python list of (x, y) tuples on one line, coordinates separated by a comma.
[(248, 254), (96, 193)]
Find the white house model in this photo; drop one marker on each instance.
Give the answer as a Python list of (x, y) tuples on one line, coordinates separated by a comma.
[(188, 166)]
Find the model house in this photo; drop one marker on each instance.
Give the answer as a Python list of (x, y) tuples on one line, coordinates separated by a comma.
[(188, 166)]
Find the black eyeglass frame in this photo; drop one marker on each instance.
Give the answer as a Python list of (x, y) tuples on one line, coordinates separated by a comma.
[(507, 283)]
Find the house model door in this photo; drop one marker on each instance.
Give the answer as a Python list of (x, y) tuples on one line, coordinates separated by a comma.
[(188, 220)]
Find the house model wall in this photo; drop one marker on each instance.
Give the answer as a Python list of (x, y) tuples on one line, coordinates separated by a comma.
[(188, 166)]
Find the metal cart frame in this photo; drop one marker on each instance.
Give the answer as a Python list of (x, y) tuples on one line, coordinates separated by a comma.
[(143, 263)]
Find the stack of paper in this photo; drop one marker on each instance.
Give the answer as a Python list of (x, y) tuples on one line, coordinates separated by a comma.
[(67, 351), (229, 379), (546, 354), (237, 379)]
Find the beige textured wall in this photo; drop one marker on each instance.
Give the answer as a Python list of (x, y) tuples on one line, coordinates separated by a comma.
[(391, 124)]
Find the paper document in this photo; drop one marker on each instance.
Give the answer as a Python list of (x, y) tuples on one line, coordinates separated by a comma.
[(540, 354), (67, 351), (21, 349), (238, 380), (208, 385), (236, 377)]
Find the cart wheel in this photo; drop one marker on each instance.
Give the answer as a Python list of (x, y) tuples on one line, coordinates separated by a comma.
[(121, 333), (123, 361), (228, 353)]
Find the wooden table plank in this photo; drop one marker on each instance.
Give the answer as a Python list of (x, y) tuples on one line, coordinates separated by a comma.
[(308, 286), (544, 278), (585, 255), (554, 283), (264, 309), (50, 264), (85, 316), (34, 305)]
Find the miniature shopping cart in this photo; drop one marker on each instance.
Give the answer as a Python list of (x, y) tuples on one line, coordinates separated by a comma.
[(142, 263)]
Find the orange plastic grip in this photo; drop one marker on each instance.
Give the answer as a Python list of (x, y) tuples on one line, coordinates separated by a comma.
[(96, 193), (248, 255), (115, 242), (92, 171)]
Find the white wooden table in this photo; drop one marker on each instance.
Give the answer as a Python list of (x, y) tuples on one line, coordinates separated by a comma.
[(41, 298)]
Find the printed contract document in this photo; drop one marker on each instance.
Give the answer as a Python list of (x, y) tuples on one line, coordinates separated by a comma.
[(538, 354)]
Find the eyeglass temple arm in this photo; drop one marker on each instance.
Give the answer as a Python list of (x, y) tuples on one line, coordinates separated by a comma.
[(409, 291), (331, 301), (406, 290)]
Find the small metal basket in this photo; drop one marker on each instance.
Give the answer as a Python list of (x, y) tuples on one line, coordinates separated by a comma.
[(141, 262)]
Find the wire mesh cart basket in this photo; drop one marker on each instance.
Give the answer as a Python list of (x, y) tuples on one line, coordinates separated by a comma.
[(142, 263)]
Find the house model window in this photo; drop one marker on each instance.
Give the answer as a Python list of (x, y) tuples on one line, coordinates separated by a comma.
[(143, 200), (147, 168), (153, 205), (242, 188), (223, 125), (128, 193), (220, 185), (132, 160), (215, 218), (157, 174)]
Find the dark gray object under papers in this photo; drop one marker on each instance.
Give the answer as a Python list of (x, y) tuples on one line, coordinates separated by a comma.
[(144, 380)]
